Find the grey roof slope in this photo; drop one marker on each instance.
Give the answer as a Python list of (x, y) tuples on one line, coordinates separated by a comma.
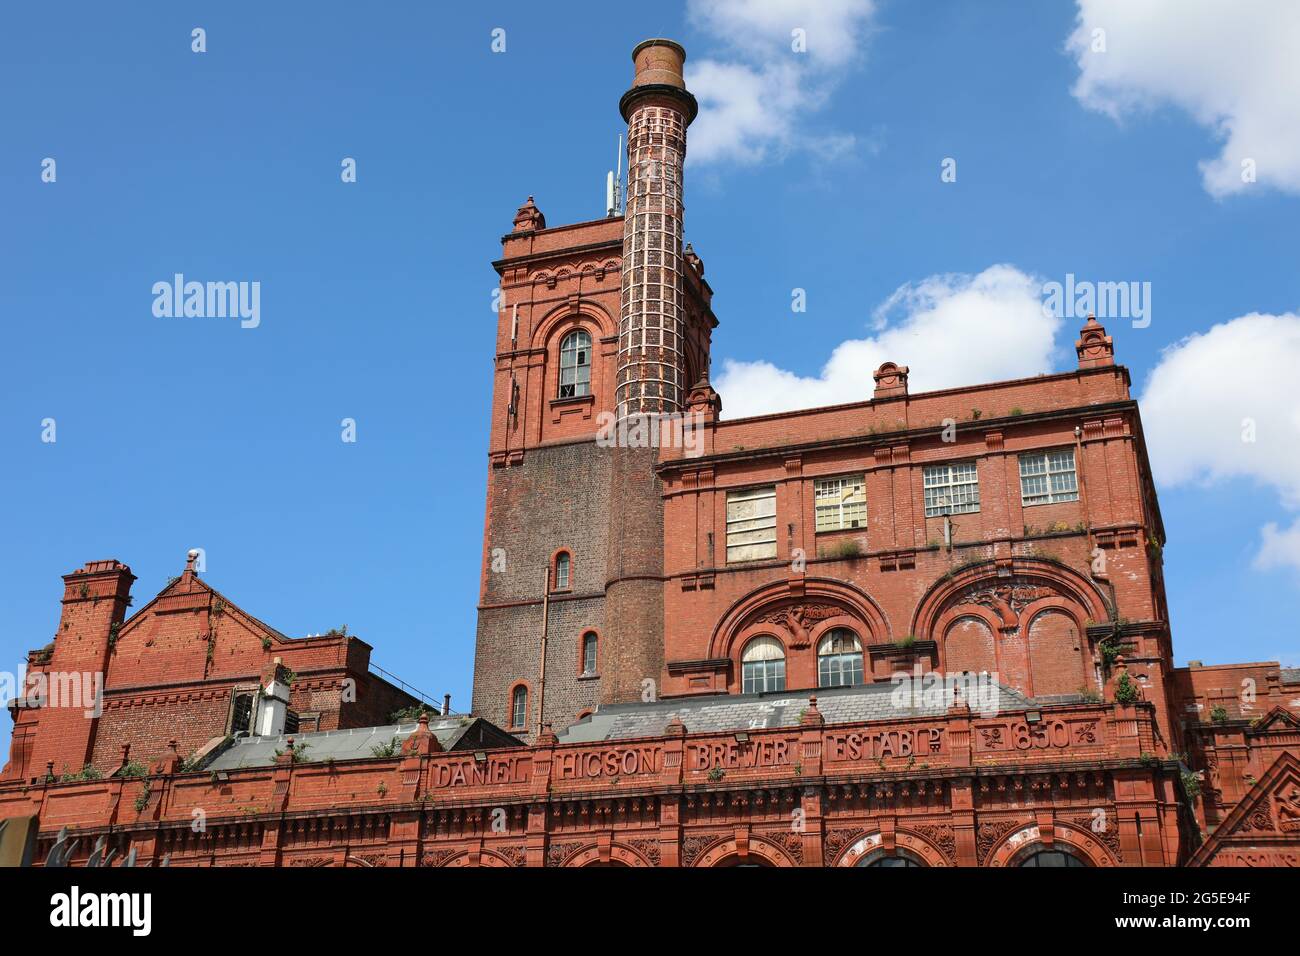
[(719, 713), (1291, 675), (453, 733)]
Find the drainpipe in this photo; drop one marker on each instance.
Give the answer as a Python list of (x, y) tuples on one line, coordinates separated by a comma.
[(546, 613)]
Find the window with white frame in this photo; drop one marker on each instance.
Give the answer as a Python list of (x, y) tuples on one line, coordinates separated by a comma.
[(762, 666), (951, 489), (1047, 477), (575, 365), (840, 502), (518, 706), (562, 565), (839, 659), (589, 642), (751, 524)]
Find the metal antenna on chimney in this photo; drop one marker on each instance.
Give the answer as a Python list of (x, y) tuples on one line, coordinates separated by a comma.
[(614, 183)]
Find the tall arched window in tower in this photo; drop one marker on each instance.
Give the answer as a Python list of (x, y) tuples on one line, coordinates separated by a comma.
[(839, 659), (589, 646), (562, 565), (575, 364), (762, 666), (518, 706)]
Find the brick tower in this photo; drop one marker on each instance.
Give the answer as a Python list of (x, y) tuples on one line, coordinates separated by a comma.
[(599, 320)]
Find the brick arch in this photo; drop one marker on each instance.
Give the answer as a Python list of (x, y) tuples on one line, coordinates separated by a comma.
[(740, 622), (1054, 666), (939, 600), (1018, 844), (617, 853), (484, 858), (561, 320), (964, 648), (909, 843), (727, 849)]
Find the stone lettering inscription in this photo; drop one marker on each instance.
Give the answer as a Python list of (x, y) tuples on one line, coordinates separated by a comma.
[(616, 762), (916, 742)]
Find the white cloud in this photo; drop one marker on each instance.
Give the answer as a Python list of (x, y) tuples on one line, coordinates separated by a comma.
[(753, 100), (949, 329), (1211, 394), (1233, 66), (1280, 548)]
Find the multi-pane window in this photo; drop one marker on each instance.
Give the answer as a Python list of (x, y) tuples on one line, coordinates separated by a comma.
[(841, 502), (588, 653), (839, 659), (575, 364), (518, 706), (1048, 477), (751, 524), (1052, 858), (241, 718), (951, 489), (562, 565), (762, 666)]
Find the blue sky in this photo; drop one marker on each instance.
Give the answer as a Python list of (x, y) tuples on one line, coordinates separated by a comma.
[(820, 173)]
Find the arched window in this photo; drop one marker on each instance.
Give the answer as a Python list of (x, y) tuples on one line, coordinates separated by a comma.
[(519, 706), (839, 659), (1052, 858), (575, 364), (562, 565), (888, 861), (762, 666), (589, 641)]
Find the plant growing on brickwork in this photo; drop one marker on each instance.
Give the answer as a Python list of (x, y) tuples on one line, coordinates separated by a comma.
[(382, 789), (219, 607), (44, 654), (1126, 692), (87, 772), (142, 801), (296, 751), (1156, 550), (1059, 527), (266, 643), (337, 631), (112, 634), (1089, 695), (847, 549), (975, 413), (1016, 410), (84, 590), (413, 712), (1219, 714), (1191, 784), (906, 641), (1148, 759), (798, 769), (133, 769), (716, 774), (390, 749)]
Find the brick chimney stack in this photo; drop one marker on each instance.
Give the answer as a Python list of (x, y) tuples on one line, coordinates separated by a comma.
[(652, 326)]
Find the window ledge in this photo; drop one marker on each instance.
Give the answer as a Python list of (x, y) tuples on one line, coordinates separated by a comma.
[(588, 677), (574, 400)]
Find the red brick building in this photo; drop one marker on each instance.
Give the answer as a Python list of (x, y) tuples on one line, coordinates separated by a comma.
[(920, 629)]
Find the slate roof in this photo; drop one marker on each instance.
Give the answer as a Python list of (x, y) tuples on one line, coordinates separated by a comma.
[(719, 713), (453, 733), (1291, 675)]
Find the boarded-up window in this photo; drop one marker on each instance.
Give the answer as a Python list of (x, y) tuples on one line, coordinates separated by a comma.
[(751, 524)]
